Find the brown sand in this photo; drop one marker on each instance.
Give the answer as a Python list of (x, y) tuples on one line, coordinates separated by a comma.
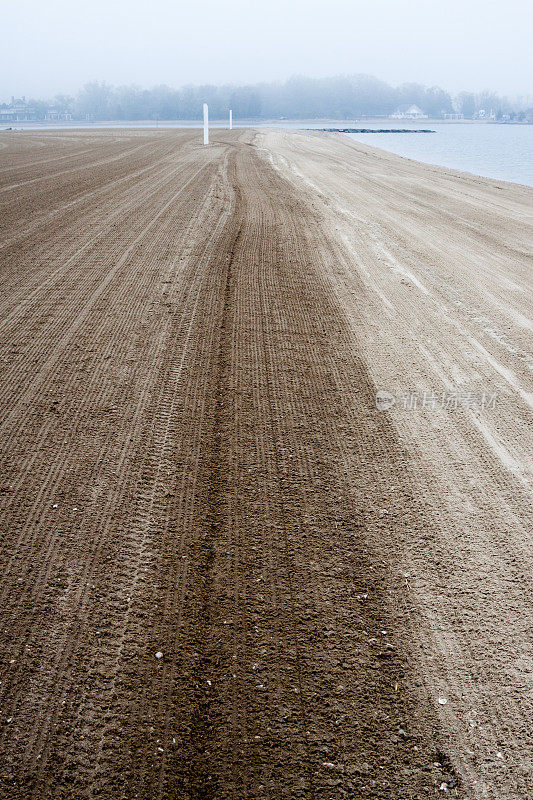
[(193, 464)]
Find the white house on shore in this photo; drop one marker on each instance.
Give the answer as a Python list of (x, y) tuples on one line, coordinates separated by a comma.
[(18, 110), (409, 112)]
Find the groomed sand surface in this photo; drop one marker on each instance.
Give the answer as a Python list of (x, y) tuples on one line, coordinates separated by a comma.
[(227, 572)]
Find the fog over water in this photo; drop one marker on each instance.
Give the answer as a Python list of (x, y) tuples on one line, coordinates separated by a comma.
[(57, 46)]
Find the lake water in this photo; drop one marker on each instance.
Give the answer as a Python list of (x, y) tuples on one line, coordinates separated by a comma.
[(503, 152)]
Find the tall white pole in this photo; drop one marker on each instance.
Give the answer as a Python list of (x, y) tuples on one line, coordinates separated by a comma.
[(230, 119), (206, 124)]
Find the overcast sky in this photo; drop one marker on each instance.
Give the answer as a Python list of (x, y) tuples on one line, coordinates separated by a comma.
[(52, 46)]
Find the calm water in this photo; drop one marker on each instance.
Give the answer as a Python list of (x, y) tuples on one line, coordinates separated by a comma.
[(504, 152)]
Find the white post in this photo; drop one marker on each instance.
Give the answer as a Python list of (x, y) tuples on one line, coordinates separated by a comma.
[(206, 124), (230, 119)]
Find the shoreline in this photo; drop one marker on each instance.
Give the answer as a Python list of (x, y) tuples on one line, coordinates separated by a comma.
[(450, 170), (254, 122)]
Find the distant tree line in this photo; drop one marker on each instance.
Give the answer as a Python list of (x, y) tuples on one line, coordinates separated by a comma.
[(342, 97)]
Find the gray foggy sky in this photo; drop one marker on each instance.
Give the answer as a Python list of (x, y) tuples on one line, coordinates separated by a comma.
[(51, 46)]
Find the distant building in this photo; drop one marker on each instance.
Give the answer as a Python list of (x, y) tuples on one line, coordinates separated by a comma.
[(409, 112), (55, 115), (483, 114), (17, 111)]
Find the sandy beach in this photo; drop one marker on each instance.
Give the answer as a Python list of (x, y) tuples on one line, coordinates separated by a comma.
[(265, 439)]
